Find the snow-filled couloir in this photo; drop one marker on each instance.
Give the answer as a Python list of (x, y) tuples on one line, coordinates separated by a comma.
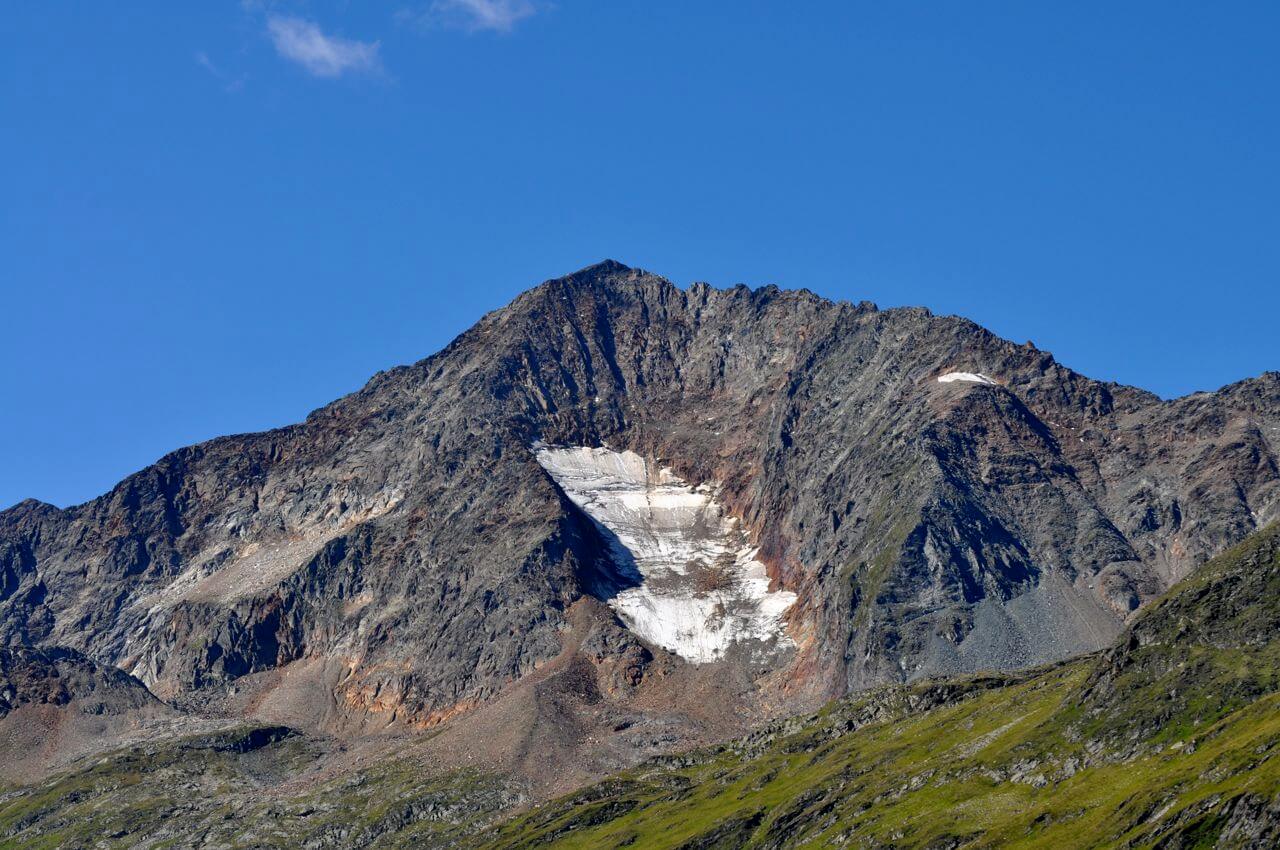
[(698, 587)]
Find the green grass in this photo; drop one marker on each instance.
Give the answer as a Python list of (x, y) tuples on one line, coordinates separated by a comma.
[(992, 769), (162, 796)]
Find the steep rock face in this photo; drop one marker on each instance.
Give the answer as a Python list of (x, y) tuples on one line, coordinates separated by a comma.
[(403, 551)]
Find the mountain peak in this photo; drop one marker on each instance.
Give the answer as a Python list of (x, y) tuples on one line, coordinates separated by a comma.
[(605, 266), (604, 272)]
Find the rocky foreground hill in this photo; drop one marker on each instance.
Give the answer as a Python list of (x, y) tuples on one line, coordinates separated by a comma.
[(613, 520)]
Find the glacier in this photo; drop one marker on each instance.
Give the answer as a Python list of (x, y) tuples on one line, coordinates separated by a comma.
[(697, 586)]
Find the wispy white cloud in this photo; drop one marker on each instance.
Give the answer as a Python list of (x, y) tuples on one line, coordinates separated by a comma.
[(301, 41), (230, 82), (496, 15), (203, 60)]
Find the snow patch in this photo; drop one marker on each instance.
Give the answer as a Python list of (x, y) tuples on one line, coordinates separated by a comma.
[(971, 377), (698, 585)]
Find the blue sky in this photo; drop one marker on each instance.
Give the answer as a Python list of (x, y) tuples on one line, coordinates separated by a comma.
[(219, 216)]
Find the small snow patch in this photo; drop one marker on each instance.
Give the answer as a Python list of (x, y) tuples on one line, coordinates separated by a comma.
[(971, 377)]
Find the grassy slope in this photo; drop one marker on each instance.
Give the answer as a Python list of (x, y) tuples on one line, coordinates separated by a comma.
[(207, 792), (1157, 742)]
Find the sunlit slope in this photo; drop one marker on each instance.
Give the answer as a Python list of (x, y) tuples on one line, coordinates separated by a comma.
[(1169, 740)]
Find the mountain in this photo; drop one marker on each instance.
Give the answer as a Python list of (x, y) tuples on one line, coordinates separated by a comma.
[(616, 519)]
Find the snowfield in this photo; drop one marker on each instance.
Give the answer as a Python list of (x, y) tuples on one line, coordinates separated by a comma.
[(698, 587), (971, 377)]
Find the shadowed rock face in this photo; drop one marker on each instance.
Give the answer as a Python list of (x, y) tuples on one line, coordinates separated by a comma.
[(402, 555)]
